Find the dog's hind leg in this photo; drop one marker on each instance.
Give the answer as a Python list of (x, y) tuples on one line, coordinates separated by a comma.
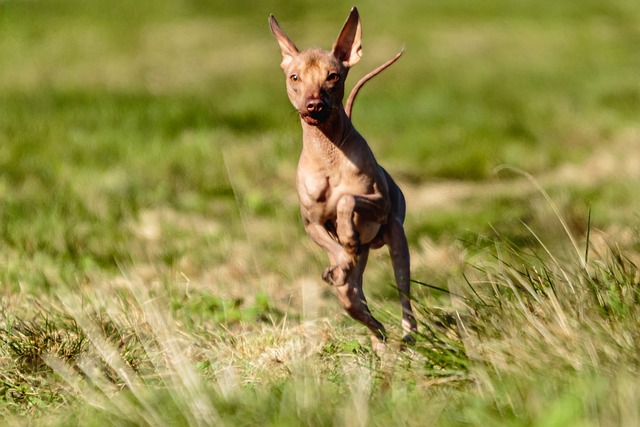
[(396, 240)]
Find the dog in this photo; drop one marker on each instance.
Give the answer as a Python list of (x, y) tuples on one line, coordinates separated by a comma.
[(349, 203)]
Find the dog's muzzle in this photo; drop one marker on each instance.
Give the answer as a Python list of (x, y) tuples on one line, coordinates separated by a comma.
[(315, 112)]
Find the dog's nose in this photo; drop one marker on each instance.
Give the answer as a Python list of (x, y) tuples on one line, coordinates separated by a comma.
[(315, 105)]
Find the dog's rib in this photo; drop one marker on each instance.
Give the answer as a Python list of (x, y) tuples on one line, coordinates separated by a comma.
[(366, 78)]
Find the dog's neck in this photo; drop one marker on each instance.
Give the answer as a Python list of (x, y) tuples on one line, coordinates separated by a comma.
[(329, 136)]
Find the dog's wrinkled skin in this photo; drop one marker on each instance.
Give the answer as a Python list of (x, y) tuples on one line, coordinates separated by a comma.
[(349, 203)]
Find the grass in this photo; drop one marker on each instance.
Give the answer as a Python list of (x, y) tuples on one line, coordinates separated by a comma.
[(153, 268)]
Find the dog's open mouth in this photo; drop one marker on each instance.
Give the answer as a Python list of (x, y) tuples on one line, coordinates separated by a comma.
[(315, 118)]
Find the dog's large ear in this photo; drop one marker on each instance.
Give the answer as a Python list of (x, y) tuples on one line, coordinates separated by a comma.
[(347, 47), (289, 50)]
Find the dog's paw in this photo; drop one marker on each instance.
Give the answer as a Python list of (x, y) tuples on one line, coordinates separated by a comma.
[(327, 275), (334, 276)]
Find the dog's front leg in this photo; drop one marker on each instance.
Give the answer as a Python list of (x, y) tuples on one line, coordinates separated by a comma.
[(370, 209), (341, 261), (352, 298)]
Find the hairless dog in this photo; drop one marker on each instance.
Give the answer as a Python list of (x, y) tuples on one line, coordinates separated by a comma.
[(349, 203)]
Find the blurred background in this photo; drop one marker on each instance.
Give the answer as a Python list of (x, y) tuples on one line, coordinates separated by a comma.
[(160, 132), (159, 135), (149, 146)]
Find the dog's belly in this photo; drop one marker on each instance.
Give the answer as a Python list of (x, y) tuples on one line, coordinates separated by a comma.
[(367, 230)]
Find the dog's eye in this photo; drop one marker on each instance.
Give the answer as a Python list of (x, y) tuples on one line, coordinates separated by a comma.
[(294, 77), (333, 77)]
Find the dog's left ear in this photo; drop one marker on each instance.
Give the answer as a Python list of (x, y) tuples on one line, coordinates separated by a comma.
[(347, 47)]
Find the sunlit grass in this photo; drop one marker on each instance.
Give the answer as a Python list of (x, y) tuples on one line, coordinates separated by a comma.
[(527, 334)]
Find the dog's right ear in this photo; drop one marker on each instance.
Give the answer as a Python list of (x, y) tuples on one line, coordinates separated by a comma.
[(289, 50)]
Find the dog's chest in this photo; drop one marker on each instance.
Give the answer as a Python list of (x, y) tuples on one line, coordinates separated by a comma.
[(320, 191), (315, 188), (317, 193)]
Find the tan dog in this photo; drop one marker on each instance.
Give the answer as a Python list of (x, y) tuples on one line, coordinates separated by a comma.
[(349, 203)]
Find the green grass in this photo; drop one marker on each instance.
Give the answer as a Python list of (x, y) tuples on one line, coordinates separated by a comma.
[(154, 270)]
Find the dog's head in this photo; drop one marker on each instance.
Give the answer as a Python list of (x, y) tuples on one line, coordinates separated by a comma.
[(315, 77)]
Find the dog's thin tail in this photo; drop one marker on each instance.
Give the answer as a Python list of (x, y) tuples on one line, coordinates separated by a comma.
[(366, 78)]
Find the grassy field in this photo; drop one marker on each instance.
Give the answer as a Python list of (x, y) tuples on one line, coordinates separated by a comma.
[(153, 265)]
